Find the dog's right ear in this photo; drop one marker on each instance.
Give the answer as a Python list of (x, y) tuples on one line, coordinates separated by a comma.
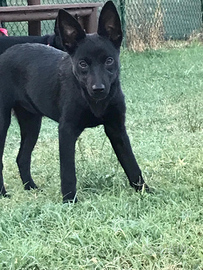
[(69, 30)]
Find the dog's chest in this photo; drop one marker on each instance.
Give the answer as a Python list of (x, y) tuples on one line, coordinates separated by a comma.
[(87, 119)]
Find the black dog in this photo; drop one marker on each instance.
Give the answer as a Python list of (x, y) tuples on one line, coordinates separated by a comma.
[(51, 40), (80, 89)]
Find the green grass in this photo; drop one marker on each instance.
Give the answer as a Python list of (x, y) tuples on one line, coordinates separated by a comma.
[(113, 227)]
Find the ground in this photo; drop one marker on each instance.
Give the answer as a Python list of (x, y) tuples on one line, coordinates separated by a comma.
[(113, 227)]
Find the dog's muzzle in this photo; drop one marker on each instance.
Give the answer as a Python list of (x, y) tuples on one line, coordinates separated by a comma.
[(98, 91)]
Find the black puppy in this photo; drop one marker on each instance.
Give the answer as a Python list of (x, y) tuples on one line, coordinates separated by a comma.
[(80, 89), (51, 40)]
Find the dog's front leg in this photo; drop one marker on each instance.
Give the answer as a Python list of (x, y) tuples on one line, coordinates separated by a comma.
[(121, 145), (67, 140)]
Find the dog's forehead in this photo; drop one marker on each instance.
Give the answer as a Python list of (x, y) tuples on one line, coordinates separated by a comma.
[(94, 46)]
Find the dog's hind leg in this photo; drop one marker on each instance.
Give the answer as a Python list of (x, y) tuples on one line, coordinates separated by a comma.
[(5, 119), (29, 126)]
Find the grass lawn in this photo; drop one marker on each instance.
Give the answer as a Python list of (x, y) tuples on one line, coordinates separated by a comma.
[(113, 227)]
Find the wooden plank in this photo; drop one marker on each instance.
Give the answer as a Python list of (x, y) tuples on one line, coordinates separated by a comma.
[(87, 14), (48, 7), (33, 15)]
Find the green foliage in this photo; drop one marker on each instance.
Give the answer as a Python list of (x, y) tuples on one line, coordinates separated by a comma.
[(113, 227)]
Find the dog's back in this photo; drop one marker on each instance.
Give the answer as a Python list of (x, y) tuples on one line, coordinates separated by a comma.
[(7, 42)]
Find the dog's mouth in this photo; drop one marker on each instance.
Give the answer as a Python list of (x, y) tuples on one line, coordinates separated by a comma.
[(95, 95), (99, 95)]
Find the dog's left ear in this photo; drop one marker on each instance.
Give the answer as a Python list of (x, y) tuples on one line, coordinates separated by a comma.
[(69, 29), (110, 25)]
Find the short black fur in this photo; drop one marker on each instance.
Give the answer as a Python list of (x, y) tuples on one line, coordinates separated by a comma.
[(78, 90)]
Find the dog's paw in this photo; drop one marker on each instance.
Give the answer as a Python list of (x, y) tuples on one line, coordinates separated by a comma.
[(140, 185), (5, 195), (70, 198), (30, 185)]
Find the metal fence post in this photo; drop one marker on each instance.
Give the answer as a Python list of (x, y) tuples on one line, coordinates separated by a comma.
[(123, 22), (202, 9)]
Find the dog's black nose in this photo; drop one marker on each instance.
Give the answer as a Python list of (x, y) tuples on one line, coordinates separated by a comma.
[(98, 87)]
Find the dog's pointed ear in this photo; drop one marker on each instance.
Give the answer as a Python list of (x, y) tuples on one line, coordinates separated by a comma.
[(110, 25), (69, 30)]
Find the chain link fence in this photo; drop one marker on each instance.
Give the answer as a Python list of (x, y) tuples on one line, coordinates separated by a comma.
[(145, 23), (150, 22)]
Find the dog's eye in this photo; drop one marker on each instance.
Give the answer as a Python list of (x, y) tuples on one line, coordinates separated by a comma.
[(83, 64), (109, 61)]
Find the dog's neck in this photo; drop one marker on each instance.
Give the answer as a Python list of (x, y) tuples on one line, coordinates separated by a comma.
[(99, 107)]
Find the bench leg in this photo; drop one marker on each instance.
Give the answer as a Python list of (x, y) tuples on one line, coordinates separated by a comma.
[(34, 27), (91, 24)]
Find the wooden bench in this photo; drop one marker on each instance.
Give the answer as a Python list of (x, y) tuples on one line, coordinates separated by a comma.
[(86, 14)]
